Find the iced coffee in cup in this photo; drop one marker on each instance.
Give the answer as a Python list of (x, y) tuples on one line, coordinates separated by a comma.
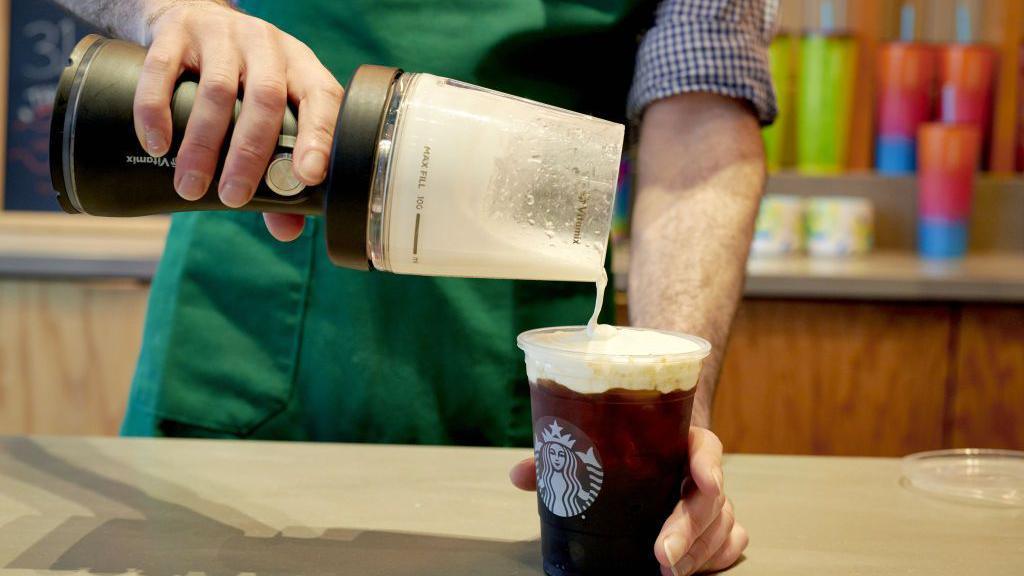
[(611, 415)]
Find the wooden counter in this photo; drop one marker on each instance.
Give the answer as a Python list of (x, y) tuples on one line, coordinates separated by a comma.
[(163, 507)]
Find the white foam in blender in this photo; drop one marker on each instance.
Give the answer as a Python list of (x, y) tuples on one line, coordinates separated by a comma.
[(498, 182), (625, 358)]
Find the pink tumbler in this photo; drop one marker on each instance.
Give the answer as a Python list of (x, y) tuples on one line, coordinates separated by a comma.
[(906, 81), (947, 161)]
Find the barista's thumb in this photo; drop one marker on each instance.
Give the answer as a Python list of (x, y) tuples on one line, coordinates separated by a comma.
[(524, 475)]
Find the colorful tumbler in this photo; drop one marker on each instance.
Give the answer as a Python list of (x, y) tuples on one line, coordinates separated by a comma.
[(1020, 109), (825, 102), (906, 79), (947, 161), (778, 138), (622, 207), (966, 74)]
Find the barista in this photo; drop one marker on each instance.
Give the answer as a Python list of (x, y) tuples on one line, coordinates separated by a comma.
[(256, 335)]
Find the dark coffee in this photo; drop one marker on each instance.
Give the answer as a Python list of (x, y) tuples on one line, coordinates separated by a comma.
[(609, 471)]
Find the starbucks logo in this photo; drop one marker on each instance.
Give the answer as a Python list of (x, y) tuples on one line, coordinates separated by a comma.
[(569, 473)]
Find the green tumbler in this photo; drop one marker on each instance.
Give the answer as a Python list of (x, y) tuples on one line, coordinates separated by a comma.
[(828, 64), (778, 138)]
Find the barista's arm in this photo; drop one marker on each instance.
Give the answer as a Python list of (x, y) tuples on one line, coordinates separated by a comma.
[(701, 88), (228, 49), (127, 19), (700, 177)]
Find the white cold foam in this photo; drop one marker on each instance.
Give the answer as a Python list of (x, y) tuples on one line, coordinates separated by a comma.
[(595, 330), (628, 358), (635, 342), (495, 182)]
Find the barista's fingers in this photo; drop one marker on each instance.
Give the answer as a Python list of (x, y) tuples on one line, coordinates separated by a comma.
[(730, 551), (318, 96), (704, 547), (284, 227), (685, 525), (524, 475), (209, 119), (259, 123), (152, 106), (706, 461), (702, 502)]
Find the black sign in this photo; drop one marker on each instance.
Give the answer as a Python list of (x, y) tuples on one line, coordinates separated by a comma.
[(41, 39)]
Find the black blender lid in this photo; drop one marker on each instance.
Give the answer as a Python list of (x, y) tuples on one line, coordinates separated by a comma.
[(356, 135)]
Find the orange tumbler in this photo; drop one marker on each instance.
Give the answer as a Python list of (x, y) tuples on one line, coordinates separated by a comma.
[(967, 72), (906, 83)]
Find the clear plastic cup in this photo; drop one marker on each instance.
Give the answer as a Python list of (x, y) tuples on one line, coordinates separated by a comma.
[(610, 442)]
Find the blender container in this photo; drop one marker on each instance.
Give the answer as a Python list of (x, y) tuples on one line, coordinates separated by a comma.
[(471, 182), (427, 176)]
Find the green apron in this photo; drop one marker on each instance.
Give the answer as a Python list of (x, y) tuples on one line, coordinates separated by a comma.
[(250, 337)]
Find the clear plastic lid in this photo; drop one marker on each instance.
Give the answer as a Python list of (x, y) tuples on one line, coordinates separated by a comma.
[(983, 476)]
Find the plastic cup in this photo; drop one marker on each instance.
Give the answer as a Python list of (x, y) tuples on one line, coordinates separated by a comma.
[(828, 65), (610, 442), (839, 226), (906, 80), (778, 138), (947, 159), (966, 80), (1020, 109), (779, 229), (623, 201)]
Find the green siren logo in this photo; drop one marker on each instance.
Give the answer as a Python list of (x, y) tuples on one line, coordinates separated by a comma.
[(569, 472)]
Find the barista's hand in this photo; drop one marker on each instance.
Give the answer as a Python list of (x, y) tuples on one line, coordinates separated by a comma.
[(702, 534), (228, 48)]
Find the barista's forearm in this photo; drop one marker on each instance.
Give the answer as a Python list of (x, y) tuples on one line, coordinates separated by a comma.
[(128, 19), (700, 176)]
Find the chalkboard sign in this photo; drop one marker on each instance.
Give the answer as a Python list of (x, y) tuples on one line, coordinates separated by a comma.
[(41, 39)]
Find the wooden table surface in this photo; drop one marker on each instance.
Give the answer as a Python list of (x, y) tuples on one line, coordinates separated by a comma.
[(165, 507)]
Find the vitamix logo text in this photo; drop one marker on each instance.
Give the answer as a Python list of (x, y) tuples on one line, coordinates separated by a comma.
[(162, 162), (581, 213)]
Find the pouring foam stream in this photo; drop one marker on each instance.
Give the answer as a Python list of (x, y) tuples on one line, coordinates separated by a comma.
[(595, 330)]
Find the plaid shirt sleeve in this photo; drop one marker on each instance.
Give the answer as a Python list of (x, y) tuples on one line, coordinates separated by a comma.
[(718, 46)]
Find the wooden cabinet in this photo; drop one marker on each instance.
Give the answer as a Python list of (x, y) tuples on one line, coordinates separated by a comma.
[(67, 353), (872, 379), (834, 378), (988, 399), (800, 376)]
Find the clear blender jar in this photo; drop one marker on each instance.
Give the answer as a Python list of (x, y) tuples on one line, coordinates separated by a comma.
[(475, 183)]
